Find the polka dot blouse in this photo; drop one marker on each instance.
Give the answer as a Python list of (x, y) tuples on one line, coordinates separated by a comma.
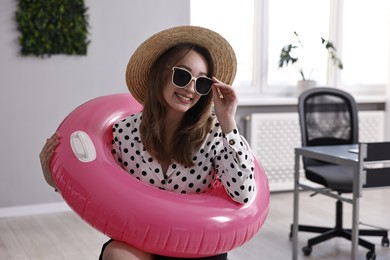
[(223, 156)]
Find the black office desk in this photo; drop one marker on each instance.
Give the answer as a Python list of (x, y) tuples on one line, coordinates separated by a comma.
[(337, 154)]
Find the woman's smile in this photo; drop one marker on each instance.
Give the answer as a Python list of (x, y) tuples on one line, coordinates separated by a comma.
[(183, 98)]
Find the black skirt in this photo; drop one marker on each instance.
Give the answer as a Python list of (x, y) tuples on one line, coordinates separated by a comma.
[(160, 257)]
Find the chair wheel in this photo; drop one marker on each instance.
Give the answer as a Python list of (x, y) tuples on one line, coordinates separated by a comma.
[(307, 250), (370, 255), (385, 241)]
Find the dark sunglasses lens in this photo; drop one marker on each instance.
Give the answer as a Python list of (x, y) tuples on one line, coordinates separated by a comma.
[(181, 78), (203, 85)]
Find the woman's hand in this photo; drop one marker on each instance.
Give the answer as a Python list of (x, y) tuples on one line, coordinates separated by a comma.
[(45, 156), (225, 105)]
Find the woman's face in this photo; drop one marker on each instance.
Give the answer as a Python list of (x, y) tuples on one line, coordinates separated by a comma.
[(180, 100)]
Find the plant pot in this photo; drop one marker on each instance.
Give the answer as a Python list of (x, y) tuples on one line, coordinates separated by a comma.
[(303, 85)]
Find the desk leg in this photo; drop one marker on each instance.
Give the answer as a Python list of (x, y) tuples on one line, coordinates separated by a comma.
[(296, 207), (355, 213)]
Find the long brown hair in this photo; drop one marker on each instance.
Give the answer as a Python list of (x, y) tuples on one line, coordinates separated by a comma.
[(196, 123)]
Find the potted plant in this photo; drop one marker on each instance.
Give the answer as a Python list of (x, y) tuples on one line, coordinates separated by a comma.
[(289, 56)]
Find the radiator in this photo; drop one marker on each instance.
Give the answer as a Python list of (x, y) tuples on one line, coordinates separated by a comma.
[(273, 137)]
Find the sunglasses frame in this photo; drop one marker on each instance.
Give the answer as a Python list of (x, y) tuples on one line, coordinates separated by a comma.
[(192, 79)]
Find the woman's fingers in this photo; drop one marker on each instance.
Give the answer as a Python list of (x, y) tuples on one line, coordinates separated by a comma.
[(224, 91), (45, 156), (49, 146)]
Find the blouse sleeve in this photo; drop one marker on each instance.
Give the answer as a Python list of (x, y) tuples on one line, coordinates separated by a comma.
[(235, 167)]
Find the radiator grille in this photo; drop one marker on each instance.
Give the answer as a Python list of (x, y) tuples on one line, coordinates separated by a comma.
[(273, 137)]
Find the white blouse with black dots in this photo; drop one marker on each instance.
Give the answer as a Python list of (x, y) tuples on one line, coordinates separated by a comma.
[(224, 156)]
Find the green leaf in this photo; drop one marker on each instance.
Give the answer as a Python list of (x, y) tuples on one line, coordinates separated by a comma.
[(45, 24)]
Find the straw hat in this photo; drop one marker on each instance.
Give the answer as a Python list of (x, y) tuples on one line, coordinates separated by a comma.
[(138, 68)]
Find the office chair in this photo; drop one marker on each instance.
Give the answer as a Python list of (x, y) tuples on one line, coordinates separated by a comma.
[(328, 116)]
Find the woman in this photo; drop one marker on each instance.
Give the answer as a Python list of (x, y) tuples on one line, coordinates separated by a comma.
[(176, 143)]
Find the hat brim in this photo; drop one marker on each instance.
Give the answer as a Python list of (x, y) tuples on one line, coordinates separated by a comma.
[(140, 63)]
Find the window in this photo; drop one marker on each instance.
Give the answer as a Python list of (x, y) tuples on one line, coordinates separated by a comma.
[(258, 30), (310, 23), (223, 17), (366, 42)]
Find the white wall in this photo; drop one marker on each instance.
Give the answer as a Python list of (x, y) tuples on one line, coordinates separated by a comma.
[(36, 94)]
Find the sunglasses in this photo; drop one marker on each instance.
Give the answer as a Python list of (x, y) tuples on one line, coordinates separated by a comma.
[(182, 77)]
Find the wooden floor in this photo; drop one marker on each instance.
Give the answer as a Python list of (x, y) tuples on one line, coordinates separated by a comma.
[(65, 236)]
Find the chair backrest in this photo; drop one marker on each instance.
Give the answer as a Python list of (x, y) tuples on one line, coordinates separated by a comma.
[(327, 116)]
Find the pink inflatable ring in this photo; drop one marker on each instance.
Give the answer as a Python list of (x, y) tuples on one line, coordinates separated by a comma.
[(125, 209)]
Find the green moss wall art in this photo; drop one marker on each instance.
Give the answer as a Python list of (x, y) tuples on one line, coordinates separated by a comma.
[(50, 27)]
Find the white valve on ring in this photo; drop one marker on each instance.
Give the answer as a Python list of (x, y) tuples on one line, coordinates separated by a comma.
[(82, 146)]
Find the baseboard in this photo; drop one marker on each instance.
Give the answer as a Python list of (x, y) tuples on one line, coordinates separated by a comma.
[(46, 208)]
